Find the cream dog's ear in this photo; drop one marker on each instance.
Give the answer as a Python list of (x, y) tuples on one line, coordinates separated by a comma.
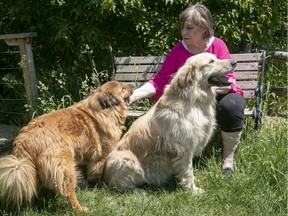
[(189, 75)]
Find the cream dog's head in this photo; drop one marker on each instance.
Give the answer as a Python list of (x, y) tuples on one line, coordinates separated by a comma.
[(200, 69)]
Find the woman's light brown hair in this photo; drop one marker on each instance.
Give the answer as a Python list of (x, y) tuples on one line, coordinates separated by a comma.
[(200, 16)]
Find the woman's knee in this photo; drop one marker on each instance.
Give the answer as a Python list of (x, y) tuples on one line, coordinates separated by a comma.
[(230, 112)]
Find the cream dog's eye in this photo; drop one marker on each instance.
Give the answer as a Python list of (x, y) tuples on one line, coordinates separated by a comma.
[(212, 60)]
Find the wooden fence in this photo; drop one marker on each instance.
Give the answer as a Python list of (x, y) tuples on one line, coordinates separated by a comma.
[(24, 43)]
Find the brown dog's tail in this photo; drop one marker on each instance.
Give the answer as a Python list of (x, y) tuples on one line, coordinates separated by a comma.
[(17, 180)]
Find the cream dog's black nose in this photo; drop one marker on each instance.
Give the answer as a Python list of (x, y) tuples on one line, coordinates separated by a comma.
[(233, 63)]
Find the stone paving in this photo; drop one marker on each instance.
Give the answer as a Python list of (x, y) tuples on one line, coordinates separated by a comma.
[(7, 134)]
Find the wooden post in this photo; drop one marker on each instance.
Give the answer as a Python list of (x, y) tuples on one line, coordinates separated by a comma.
[(23, 41)]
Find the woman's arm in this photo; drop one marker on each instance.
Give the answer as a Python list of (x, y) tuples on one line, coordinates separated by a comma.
[(145, 91)]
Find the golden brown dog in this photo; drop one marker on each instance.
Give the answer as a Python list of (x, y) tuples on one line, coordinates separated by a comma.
[(161, 144), (47, 150)]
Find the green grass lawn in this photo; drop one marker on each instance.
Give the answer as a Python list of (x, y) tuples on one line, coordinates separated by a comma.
[(258, 187)]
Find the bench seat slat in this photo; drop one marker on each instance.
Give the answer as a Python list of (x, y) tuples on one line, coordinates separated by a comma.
[(248, 112)]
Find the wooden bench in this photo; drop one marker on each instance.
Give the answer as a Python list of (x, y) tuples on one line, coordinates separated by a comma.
[(249, 73)]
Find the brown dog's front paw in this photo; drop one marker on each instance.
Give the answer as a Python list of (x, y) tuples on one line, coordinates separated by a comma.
[(84, 209), (81, 209)]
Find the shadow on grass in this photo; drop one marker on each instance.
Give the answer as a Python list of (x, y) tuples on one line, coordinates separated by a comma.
[(47, 201)]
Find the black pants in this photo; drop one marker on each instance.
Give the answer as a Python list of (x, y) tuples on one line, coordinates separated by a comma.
[(230, 112)]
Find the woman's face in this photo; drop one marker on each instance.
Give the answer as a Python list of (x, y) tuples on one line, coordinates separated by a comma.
[(192, 34)]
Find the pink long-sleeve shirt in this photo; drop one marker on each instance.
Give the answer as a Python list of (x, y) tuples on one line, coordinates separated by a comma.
[(177, 57)]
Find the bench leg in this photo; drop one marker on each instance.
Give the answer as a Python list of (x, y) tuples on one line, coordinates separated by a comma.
[(257, 123)]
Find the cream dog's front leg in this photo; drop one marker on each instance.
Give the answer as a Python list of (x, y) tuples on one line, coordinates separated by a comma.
[(186, 176)]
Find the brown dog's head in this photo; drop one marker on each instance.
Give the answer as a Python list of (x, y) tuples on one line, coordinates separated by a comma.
[(111, 94)]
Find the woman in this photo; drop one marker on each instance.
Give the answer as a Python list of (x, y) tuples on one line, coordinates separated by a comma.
[(197, 37)]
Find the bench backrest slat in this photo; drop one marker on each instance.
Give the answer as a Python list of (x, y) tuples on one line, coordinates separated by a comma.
[(246, 75), (138, 68), (249, 94), (130, 60), (246, 66), (246, 57), (247, 85), (136, 77), (147, 68)]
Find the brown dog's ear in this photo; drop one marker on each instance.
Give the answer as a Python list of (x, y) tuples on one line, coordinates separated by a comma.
[(107, 100), (100, 100)]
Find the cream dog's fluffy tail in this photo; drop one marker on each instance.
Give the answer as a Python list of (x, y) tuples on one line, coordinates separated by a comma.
[(17, 180)]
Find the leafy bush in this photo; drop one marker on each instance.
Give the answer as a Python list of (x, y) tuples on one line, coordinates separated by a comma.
[(78, 38)]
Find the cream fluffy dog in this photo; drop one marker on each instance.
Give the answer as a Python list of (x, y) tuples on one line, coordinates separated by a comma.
[(161, 144)]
